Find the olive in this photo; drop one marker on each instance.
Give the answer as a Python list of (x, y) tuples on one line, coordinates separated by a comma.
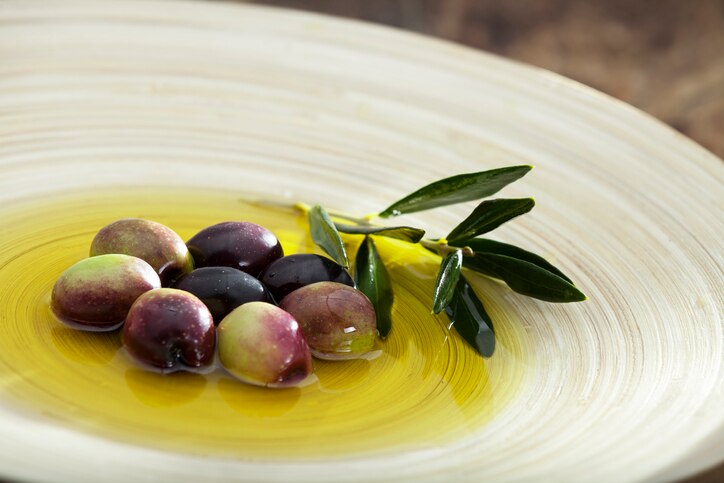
[(153, 242), (237, 244), (223, 289), (170, 329), (96, 293), (338, 321), (289, 273), (261, 344)]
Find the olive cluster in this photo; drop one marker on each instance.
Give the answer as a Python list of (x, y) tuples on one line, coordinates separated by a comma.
[(230, 286)]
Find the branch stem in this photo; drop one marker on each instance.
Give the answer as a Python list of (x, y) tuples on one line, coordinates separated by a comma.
[(442, 248), (364, 221)]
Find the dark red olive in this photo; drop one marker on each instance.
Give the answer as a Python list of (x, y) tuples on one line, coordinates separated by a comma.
[(170, 329)]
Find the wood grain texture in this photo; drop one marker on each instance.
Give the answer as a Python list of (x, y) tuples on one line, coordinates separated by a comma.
[(628, 386)]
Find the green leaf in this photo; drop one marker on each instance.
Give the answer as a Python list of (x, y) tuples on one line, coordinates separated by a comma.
[(406, 233), (488, 216), (447, 279), (325, 235), (456, 189), (486, 245), (373, 280), (525, 277), (471, 321)]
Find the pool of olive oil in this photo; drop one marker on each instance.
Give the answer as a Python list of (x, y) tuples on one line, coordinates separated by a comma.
[(425, 387)]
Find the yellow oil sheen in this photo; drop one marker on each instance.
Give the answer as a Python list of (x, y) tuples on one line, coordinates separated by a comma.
[(425, 387)]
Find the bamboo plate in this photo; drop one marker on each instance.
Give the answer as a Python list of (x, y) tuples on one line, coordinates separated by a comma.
[(627, 386)]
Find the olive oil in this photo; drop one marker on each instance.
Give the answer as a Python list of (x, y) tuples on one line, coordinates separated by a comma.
[(423, 387)]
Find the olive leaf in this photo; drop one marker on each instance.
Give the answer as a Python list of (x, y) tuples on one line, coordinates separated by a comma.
[(525, 277), (325, 235), (372, 279), (406, 233), (469, 318), (456, 189), (488, 216), (486, 245), (447, 279)]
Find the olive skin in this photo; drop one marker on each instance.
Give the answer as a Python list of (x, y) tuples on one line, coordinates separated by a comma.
[(261, 344), (152, 242), (222, 289), (338, 321), (96, 293), (292, 272), (238, 244), (170, 329)]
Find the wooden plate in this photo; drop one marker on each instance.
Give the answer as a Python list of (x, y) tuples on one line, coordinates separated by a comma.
[(628, 386)]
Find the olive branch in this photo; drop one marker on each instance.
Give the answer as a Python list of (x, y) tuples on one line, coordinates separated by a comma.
[(462, 249)]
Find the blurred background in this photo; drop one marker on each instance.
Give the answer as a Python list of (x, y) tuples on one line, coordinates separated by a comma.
[(665, 57)]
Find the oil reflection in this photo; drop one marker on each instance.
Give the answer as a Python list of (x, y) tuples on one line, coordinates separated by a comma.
[(89, 348), (441, 351), (257, 401), (164, 390), (342, 375)]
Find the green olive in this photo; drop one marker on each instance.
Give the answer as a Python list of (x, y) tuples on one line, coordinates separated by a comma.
[(96, 293)]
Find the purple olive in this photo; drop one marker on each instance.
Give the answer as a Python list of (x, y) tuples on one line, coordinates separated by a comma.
[(223, 289), (152, 242), (96, 293), (242, 245), (338, 321), (292, 272), (169, 329), (261, 344)]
